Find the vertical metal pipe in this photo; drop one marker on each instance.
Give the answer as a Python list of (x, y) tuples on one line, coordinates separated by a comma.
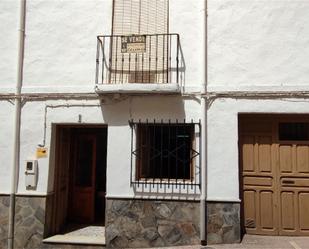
[(153, 163), (169, 150), (161, 151), (142, 68), (203, 137), (97, 61), (135, 73), (177, 60), (103, 60), (16, 148), (149, 62), (176, 161), (132, 126), (163, 59), (116, 59), (157, 81), (122, 61)]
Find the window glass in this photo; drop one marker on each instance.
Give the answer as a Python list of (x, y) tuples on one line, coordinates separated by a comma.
[(294, 131), (164, 151)]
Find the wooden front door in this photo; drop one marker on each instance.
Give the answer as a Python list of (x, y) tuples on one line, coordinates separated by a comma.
[(275, 174), (82, 204)]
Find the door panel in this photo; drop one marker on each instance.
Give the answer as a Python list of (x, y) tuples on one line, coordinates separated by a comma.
[(285, 155), (83, 186), (248, 153), (302, 158), (258, 184), (293, 188), (249, 206), (61, 183), (267, 214), (264, 150), (303, 200), (287, 211)]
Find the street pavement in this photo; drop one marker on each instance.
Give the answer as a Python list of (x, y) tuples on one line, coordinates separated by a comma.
[(258, 242)]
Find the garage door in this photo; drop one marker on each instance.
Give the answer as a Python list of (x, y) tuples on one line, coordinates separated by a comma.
[(274, 161)]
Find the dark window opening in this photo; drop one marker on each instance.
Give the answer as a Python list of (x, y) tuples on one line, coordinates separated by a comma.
[(294, 131), (165, 151)]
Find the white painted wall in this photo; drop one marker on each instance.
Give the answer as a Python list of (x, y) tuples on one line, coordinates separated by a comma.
[(61, 43), (60, 49), (114, 113), (6, 145), (223, 140), (258, 44), (9, 12), (119, 134), (252, 45), (32, 134), (187, 19)]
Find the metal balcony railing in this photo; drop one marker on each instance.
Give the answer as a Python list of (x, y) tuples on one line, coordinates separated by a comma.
[(137, 59)]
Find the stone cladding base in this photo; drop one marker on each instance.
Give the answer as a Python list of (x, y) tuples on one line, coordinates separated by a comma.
[(4, 220), (223, 223), (151, 223), (130, 223), (29, 221)]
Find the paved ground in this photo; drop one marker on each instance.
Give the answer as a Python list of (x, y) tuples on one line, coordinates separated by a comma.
[(268, 242), (260, 242)]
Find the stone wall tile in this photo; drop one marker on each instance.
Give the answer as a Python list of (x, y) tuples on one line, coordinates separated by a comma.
[(29, 222), (147, 223), (4, 220), (223, 223)]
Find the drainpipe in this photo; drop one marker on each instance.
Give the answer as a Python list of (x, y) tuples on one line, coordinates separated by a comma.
[(16, 160), (204, 182)]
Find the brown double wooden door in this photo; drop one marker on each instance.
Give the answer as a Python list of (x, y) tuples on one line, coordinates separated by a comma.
[(274, 174)]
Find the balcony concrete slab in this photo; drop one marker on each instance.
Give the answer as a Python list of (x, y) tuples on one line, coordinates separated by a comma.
[(138, 88)]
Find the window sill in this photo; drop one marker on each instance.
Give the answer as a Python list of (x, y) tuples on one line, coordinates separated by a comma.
[(165, 182)]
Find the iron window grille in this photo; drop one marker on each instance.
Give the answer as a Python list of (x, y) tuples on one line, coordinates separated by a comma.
[(165, 153)]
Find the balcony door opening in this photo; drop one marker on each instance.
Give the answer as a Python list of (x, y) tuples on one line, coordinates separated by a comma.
[(80, 181), (140, 46)]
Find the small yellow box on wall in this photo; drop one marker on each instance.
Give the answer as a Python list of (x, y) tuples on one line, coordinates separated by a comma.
[(41, 152)]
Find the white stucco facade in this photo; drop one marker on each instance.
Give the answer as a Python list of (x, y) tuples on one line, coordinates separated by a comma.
[(257, 44), (252, 46), (59, 58)]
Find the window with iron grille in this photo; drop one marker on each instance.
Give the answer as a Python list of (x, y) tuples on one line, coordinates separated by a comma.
[(164, 153)]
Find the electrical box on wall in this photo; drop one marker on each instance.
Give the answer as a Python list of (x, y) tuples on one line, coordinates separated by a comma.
[(31, 173)]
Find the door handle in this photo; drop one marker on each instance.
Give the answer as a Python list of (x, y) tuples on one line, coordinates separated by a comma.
[(288, 182)]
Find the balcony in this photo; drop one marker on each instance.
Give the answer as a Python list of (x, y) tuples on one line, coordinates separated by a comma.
[(138, 64)]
